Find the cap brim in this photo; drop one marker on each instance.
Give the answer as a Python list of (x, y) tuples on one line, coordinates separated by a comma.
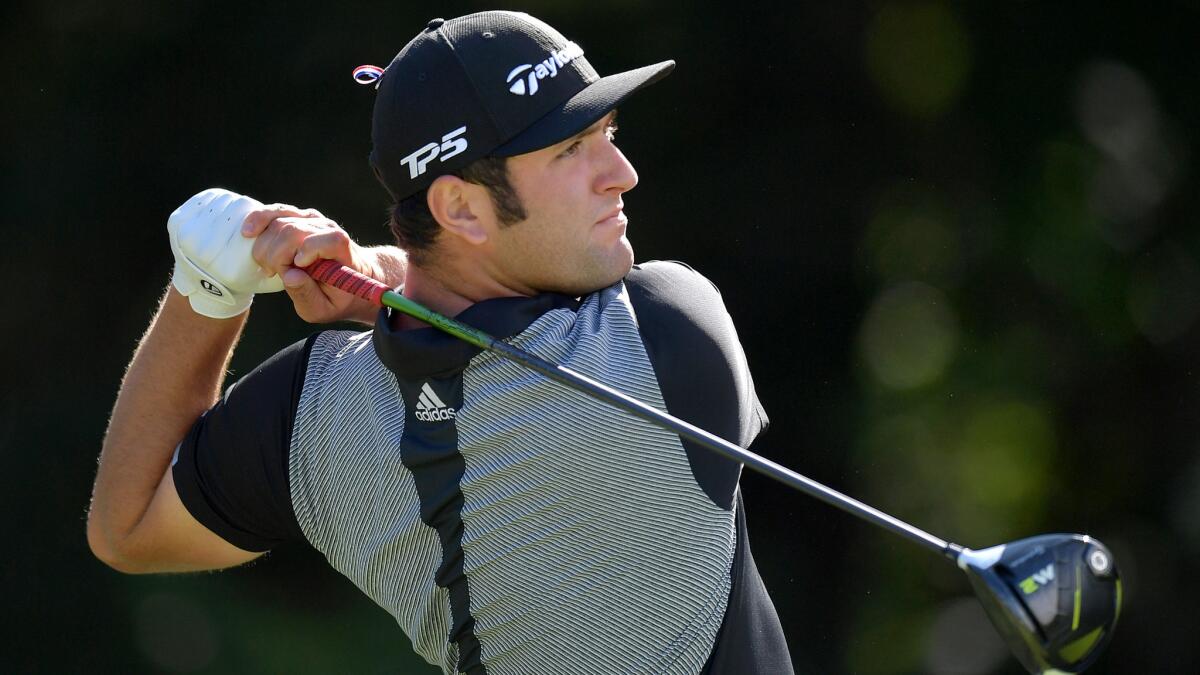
[(584, 108)]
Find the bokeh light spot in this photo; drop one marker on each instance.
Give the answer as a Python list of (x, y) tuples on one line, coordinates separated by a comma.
[(1119, 113), (1062, 245), (1116, 108), (902, 455), (909, 336), (1006, 454), (910, 238), (919, 56)]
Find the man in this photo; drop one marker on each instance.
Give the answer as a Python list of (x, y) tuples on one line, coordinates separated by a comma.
[(509, 524)]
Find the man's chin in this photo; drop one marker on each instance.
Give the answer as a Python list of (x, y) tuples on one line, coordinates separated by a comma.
[(622, 265), (597, 281)]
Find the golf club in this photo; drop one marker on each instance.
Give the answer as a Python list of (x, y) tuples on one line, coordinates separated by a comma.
[(1054, 598)]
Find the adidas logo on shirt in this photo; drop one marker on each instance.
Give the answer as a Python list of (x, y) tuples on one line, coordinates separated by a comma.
[(430, 408)]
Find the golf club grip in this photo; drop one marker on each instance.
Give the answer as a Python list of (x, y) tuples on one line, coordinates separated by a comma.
[(335, 274)]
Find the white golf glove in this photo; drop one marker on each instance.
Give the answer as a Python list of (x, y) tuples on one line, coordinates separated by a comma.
[(213, 265)]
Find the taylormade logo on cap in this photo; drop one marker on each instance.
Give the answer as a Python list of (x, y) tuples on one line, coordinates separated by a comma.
[(527, 85)]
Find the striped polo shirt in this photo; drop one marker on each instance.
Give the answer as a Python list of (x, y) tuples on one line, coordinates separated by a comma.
[(507, 522)]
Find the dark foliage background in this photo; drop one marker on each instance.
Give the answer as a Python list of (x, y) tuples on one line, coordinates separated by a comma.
[(959, 241)]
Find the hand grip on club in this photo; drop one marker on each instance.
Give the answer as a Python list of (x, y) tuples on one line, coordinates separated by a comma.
[(339, 276), (334, 274)]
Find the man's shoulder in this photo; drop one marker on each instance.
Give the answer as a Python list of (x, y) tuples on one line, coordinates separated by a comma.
[(674, 283), (672, 298), (340, 344), (338, 358)]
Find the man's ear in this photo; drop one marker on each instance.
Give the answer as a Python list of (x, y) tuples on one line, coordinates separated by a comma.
[(461, 208)]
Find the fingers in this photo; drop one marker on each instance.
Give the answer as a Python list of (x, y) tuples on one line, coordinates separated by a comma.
[(309, 298), (259, 220), (293, 242), (333, 244), (318, 303)]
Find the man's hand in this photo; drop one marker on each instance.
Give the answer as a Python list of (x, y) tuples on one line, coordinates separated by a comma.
[(213, 267), (289, 238)]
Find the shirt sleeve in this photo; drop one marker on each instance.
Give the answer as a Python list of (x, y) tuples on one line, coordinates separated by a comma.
[(751, 639), (231, 470), (700, 366)]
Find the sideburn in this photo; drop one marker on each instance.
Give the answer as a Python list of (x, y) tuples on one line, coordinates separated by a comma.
[(492, 173)]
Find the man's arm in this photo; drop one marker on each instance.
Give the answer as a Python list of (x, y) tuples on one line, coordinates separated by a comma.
[(137, 523)]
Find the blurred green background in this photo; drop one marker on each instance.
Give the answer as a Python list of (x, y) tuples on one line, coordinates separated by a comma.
[(959, 241)]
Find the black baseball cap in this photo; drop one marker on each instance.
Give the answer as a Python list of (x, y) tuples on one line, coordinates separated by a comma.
[(487, 84)]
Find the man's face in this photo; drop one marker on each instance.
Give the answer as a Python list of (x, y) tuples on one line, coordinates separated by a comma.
[(573, 240)]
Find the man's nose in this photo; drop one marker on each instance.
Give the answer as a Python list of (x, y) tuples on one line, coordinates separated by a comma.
[(618, 174)]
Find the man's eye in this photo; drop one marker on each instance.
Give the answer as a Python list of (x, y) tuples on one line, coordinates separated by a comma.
[(571, 150)]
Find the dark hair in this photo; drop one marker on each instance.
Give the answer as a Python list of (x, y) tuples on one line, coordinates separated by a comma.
[(414, 227)]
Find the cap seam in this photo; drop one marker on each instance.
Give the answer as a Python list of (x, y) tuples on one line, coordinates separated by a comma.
[(474, 85)]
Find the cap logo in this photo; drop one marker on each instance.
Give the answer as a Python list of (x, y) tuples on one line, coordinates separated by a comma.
[(527, 85), (430, 407), (450, 146)]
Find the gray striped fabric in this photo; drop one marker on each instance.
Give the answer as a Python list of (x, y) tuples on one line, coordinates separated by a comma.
[(587, 543)]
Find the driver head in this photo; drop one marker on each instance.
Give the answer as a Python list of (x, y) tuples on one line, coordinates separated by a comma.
[(1055, 598)]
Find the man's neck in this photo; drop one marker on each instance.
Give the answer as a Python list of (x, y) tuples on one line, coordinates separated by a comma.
[(447, 291)]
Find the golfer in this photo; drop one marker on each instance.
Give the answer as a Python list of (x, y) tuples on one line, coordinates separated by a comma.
[(509, 524)]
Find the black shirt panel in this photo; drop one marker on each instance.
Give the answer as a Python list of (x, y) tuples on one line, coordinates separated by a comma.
[(699, 364), (430, 450), (231, 471), (751, 638)]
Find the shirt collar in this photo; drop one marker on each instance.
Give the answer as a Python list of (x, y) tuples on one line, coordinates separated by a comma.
[(425, 352)]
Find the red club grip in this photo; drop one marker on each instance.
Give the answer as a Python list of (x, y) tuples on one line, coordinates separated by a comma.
[(339, 276)]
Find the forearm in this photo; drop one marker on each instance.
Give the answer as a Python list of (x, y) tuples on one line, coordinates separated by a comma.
[(175, 375)]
